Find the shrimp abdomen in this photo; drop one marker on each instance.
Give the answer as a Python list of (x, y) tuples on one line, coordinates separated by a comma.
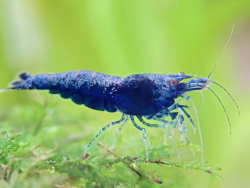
[(94, 90)]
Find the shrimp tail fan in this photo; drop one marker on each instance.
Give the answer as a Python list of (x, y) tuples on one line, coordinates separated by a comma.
[(24, 83)]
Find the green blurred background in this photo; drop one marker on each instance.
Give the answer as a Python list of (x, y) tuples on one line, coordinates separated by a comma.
[(127, 37)]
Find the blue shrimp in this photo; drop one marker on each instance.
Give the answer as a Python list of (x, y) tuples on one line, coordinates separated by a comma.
[(148, 96)]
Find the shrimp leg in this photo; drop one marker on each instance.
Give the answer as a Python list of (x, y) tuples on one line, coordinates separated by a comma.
[(103, 129), (118, 131), (144, 134), (161, 126)]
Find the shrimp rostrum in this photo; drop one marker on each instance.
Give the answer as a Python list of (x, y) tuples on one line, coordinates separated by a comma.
[(141, 96)]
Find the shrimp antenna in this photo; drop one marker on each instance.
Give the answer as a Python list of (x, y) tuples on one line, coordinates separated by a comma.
[(228, 94), (222, 52), (222, 107)]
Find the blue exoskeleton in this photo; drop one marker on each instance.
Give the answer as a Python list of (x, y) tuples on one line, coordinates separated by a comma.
[(144, 96)]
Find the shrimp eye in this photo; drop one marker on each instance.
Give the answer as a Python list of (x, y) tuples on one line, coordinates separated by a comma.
[(173, 82)]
